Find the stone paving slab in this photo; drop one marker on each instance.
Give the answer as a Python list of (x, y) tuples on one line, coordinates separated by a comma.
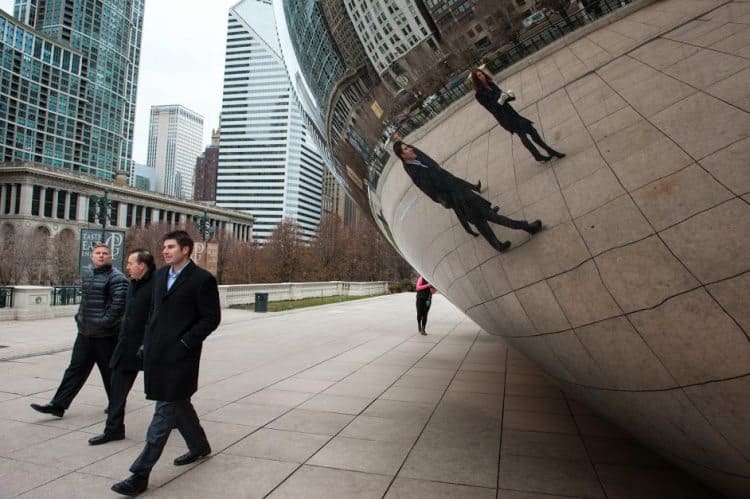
[(339, 401)]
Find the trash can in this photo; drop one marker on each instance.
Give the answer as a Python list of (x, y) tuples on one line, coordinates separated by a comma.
[(261, 302)]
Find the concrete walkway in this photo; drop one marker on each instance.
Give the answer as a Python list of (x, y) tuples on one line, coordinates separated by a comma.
[(344, 400)]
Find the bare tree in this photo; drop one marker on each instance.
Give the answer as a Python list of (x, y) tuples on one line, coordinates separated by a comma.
[(284, 253), (64, 258)]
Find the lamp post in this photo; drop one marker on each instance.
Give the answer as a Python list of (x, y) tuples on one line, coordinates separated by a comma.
[(203, 224), (103, 211)]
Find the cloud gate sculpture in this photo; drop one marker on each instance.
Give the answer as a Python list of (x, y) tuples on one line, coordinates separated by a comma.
[(635, 296)]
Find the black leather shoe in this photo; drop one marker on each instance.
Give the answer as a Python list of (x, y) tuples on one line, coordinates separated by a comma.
[(543, 159), (559, 154), (503, 246), (534, 227), (190, 457), (131, 486), (49, 409), (106, 437)]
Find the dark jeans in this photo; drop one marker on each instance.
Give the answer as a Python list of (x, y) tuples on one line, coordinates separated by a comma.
[(484, 228), (122, 382), (524, 134), (87, 351), (179, 414), (423, 306)]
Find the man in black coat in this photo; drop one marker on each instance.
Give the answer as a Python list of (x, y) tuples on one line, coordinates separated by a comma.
[(125, 362), (461, 197), (98, 319), (184, 311), (428, 175)]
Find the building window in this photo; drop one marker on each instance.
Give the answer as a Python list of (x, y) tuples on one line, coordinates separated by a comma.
[(48, 193), (73, 207), (60, 209), (36, 197)]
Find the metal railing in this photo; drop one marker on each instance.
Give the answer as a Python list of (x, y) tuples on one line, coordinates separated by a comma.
[(66, 295), (6, 297), (502, 59)]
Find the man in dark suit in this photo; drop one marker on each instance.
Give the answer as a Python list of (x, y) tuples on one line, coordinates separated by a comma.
[(458, 195), (428, 175), (184, 311), (125, 363)]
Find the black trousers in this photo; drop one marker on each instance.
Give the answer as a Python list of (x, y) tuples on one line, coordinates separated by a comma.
[(423, 306), (87, 351), (179, 414), (484, 228), (122, 382), (530, 131)]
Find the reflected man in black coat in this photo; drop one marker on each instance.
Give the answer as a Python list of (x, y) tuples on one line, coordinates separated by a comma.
[(184, 311), (429, 176), (125, 362), (461, 197)]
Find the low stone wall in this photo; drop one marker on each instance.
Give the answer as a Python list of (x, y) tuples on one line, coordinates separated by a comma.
[(33, 302), (240, 294)]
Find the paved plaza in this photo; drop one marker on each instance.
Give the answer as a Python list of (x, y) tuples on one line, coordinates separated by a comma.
[(343, 400)]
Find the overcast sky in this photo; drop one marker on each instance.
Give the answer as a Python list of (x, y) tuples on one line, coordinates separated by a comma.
[(182, 61)]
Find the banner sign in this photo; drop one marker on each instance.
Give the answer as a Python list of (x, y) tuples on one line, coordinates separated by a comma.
[(115, 239)]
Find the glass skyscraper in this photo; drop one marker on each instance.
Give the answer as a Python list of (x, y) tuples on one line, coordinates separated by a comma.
[(269, 165), (68, 83), (175, 140)]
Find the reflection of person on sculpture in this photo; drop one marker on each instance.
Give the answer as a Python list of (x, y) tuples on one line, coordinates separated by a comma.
[(425, 290), (470, 207), (430, 177), (489, 95)]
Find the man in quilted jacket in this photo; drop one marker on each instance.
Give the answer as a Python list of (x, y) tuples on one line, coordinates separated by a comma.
[(98, 320)]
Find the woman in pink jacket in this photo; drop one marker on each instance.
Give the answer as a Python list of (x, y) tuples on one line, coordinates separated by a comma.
[(424, 300)]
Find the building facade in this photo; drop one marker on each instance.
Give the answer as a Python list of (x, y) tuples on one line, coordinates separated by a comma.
[(389, 30), (269, 164), (206, 166), (68, 84), (143, 177), (41, 198), (175, 140)]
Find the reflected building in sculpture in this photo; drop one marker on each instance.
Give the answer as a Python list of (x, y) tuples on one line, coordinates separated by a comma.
[(269, 164)]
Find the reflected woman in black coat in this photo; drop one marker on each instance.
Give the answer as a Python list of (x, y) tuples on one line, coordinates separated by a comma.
[(488, 95)]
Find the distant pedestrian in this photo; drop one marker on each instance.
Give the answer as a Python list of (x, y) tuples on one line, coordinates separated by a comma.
[(184, 311), (491, 97), (425, 290), (103, 296), (125, 362), (462, 198)]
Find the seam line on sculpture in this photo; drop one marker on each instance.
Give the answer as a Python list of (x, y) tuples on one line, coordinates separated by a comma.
[(624, 314)]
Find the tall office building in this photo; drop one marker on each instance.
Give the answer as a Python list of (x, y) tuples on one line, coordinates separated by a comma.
[(175, 140), (206, 166), (390, 29), (68, 83), (268, 163)]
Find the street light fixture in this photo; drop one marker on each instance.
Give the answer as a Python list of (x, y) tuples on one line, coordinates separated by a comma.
[(103, 211), (203, 224)]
